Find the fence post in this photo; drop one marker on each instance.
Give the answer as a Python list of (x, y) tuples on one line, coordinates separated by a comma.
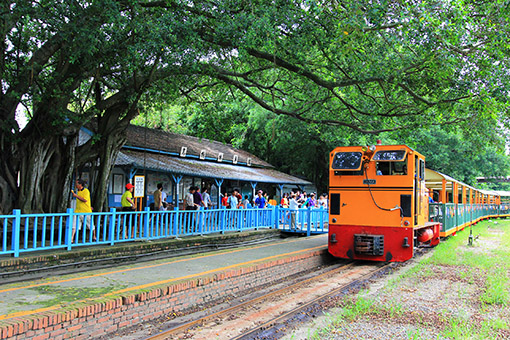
[(176, 222), (201, 218), (223, 219), (253, 218), (276, 214), (113, 225), (16, 230), (238, 214), (69, 228), (321, 217), (309, 221), (146, 223)]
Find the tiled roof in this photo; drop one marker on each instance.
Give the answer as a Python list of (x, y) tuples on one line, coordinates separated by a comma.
[(199, 168), (141, 137)]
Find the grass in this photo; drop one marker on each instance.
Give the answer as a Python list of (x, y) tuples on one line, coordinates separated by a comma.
[(485, 265), (62, 296), (496, 287)]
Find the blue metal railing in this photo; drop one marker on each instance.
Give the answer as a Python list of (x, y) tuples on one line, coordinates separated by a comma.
[(21, 233), (305, 220)]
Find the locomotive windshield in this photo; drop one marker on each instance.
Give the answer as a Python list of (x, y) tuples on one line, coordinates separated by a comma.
[(350, 161), (389, 155)]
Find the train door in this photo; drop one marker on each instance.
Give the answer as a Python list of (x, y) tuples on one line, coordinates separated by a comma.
[(419, 189)]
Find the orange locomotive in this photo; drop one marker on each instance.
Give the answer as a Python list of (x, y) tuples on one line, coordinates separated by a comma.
[(378, 203)]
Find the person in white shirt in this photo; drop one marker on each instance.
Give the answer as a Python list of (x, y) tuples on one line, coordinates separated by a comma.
[(206, 198), (294, 207), (232, 201), (163, 199)]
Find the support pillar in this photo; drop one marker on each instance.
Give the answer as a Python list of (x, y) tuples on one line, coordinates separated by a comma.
[(177, 180), (253, 187), (219, 183)]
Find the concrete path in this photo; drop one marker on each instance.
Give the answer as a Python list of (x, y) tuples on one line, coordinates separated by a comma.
[(31, 297)]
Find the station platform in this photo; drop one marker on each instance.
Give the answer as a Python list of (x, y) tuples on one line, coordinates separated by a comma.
[(98, 302)]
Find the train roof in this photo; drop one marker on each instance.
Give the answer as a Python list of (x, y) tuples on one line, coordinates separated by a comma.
[(434, 180)]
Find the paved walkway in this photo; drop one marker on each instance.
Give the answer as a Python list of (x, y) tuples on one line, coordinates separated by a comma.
[(31, 297)]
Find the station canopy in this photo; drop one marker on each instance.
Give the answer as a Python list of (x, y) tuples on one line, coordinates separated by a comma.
[(162, 151), (197, 168)]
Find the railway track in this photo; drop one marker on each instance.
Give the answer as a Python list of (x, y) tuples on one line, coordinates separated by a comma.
[(272, 320)]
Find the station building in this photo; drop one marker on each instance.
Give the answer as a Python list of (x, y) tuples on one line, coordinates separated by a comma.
[(180, 161)]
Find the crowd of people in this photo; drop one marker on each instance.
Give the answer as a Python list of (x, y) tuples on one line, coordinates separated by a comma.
[(196, 199), (297, 200), (292, 200)]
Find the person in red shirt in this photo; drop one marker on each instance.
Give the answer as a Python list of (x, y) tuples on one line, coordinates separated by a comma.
[(224, 200), (285, 201)]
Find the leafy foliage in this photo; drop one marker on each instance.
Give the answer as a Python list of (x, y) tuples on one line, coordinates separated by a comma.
[(369, 67)]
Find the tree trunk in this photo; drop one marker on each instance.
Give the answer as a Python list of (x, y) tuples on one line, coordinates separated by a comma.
[(107, 154), (34, 160), (112, 132), (47, 165), (59, 175)]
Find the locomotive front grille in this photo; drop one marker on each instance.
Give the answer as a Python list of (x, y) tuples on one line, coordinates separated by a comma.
[(369, 245)]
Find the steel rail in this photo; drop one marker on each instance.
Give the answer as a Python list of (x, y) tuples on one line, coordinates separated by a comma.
[(250, 334), (168, 332)]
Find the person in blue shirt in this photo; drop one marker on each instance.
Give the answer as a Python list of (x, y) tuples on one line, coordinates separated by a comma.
[(260, 201), (232, 202)]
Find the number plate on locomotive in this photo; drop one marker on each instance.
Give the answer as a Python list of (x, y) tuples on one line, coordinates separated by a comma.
[(369, 181)]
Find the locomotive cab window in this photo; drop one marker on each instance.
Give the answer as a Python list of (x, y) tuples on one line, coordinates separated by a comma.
[(347, 161), (390, 162), (391, 168)]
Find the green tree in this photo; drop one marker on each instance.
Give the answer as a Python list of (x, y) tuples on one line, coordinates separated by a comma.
[(457, 153), (370, 67)]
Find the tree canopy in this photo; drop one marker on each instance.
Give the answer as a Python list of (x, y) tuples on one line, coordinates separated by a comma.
[(368, 67)]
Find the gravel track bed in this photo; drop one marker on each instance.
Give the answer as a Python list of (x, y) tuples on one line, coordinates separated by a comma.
[(414, 303)]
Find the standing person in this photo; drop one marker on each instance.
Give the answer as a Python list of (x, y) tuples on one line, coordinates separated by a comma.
[(197, 198), (260, 201), (163, 199), (239, 197), (293, 206), (190, 205), (266, 197), (224, 200), (300, 198), (285, 201), (232, 200), (206, 198), (233, 203), (190, 199), (311, 202), (246, 202), (323, 202), (158, 197), (83, 205), (127, 202)]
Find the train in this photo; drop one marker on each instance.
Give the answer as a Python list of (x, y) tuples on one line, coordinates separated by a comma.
[(384, 203)]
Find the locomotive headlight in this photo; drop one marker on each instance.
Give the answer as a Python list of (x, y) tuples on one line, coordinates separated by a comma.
[(372, 148), (406, 223)]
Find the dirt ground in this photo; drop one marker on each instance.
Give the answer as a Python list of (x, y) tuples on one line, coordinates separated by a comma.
[(431, 297)]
